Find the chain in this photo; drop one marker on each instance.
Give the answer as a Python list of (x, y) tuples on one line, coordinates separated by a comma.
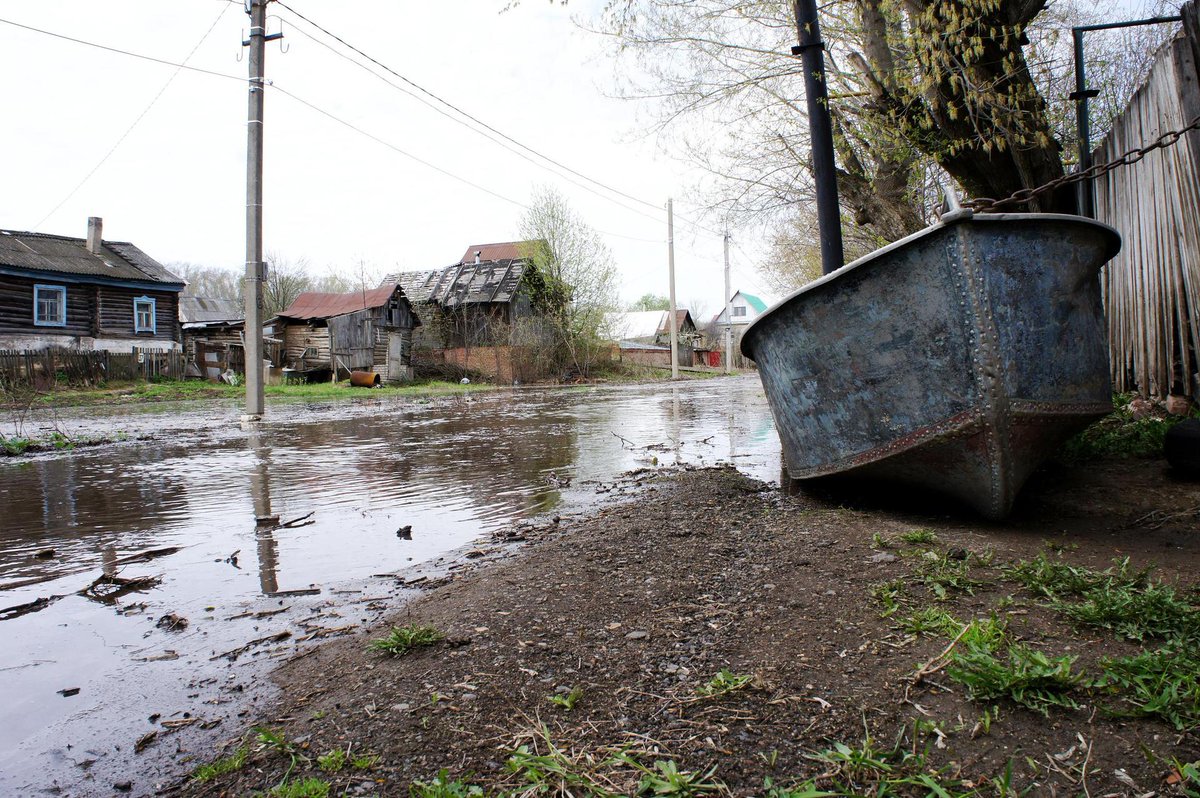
[(1026, 195)]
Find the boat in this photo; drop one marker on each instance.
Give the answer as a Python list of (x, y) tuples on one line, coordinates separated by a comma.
[(957, 359)]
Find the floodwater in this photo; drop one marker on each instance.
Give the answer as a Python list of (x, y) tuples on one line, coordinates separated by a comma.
[(453, 470)]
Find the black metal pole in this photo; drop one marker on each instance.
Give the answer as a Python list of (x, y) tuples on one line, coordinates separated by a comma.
[(1081, 95), (812, 57)]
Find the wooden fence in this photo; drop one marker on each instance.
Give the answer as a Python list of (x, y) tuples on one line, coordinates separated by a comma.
[(1152, 288), (45, 368)]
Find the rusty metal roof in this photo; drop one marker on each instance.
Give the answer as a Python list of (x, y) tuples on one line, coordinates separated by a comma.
[(508, 250), (117, 260), (316, 305)]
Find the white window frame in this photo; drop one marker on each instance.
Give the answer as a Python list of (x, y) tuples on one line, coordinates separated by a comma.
[(138, 327), (38, 290), (739, 311)]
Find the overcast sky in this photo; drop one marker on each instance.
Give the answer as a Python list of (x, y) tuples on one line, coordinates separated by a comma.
[(159, 152)]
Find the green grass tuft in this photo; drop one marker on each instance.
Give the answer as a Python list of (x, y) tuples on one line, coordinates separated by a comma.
[(404, 639), (233, 762)]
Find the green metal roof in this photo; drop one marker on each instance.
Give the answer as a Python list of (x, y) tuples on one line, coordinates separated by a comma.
[(754, 301)]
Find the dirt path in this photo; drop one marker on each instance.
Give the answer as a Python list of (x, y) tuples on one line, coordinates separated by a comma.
[(630, 615)]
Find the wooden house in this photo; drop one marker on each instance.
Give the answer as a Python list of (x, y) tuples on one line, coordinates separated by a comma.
[(213, 336), (327, 335), (84, 293), (477, 301)]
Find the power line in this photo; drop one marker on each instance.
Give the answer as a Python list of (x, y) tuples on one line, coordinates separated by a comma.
[(458, 110), (497, 139), (135, 122), (120, 51), (485, 125)]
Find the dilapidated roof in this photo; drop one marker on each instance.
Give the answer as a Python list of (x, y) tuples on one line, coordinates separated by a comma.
[(193, 309), (317, 305), (464, 283), (116, 260), (639, 324)]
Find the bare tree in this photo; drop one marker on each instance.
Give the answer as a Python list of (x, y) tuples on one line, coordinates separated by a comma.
[(209, 281), (574, 281), (286, 280)]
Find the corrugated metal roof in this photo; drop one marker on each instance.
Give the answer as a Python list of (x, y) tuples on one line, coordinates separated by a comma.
[(203, 308), (316, 305), (117, 260)]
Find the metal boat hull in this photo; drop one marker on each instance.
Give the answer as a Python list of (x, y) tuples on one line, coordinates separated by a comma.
[(957, 359)]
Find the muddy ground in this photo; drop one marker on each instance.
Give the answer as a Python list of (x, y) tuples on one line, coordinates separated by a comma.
[(638, 606)]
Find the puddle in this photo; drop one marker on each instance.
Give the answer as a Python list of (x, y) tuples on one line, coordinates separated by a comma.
[(144, 646)]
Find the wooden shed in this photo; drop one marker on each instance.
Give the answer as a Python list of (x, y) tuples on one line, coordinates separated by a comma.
[(329, 335)]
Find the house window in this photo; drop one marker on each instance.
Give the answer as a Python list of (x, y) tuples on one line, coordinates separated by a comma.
[(50, 305), (143, 314), (739, 311)]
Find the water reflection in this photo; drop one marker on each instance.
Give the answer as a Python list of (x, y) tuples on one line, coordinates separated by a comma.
[(449, 473), (260, 496)]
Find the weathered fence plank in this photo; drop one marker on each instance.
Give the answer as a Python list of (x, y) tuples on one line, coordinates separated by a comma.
[(1152, 288)]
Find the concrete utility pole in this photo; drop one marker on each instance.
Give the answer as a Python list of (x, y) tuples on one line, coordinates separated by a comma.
[(671, 269), (728, 312), (257, 9)]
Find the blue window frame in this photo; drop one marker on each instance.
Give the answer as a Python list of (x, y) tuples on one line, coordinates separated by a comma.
[(49, 305), (143, 315)]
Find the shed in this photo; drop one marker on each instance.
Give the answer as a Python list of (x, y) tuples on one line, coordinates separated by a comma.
[(333, 334)]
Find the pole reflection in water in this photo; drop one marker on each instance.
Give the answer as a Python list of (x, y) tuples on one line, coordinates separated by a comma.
[(264, 519)]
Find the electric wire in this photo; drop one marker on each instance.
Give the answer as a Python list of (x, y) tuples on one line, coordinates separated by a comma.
[(122, 52), (135, 122)]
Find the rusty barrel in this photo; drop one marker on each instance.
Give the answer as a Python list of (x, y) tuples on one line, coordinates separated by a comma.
[(364, 379)]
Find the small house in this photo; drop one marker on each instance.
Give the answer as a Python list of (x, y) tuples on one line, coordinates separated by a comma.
[(84, 294), (644, 336), (477, 301), (213, 336), (328, 335)]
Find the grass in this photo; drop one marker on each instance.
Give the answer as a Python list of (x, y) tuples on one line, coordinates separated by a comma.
[(919, 537), (229, 764), (568, 700), (442, 786), (404, 639), (725, 682), (902, 770), (302, 788), (185, 390), (1119, 434), (1122, 600), (1163, 683), (931, 621), (943, 574)]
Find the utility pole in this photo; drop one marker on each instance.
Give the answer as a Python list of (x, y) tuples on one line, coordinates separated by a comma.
[(728, 311), (671, 269), (253, 337)]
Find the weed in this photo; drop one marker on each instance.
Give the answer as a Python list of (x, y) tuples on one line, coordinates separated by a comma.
[(305, 788), (1026, 677), (364, 762), (769, 758), (332, 762), (556, 771), (1125, 601), (726, 681), (941, 573), (1119, 434), (568, 700), (919, 537), (272, 740), (1163, 683), (878, 541), (228, 764), (665, 778), (404, 639), (1189, 776), (442, 786), (60, 441), (890, 595), (931, 621), (15, 445)]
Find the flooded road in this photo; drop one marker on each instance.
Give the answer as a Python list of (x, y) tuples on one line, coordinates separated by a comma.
[(151, 658)]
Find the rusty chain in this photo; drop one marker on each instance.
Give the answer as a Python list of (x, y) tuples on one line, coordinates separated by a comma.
[(1026, 195)]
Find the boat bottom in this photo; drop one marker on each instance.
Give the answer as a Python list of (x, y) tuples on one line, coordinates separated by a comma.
[(983, 464)]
